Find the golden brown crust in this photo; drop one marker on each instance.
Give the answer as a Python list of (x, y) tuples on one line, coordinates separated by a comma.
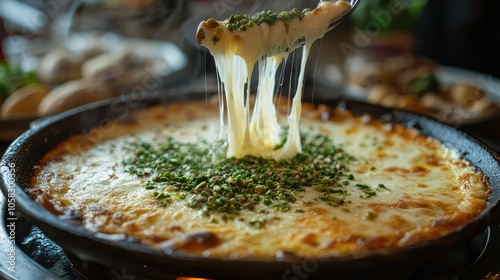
[(430, 191)]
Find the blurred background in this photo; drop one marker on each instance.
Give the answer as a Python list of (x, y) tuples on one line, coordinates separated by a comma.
[(439, 58)]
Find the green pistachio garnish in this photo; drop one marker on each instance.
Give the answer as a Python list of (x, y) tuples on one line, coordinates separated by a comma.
[(187, 172)]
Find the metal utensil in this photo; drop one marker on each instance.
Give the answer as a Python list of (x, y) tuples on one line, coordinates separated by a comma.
[(334, 23)]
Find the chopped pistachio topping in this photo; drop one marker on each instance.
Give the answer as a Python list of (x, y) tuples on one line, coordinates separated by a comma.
[(186, 171), (241, 22)]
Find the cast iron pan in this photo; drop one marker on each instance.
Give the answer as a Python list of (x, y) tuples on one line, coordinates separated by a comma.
[(141, 261)]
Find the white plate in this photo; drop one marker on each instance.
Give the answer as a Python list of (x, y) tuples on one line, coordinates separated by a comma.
[(450, 75), (445, 75)]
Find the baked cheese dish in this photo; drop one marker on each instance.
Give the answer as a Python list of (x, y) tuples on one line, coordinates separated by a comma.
[(176, 178), (359, 185)]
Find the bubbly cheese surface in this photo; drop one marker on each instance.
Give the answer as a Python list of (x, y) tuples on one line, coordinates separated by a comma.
[(383, 186), (422, 190), (236, 52)]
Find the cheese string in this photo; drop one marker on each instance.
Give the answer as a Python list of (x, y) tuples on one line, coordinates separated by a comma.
[(293, 145), (257, 132)]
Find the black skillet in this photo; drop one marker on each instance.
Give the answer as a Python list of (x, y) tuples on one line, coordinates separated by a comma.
[(141, 261)]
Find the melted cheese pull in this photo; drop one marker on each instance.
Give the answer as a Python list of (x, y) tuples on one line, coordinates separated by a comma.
[(236, 52)]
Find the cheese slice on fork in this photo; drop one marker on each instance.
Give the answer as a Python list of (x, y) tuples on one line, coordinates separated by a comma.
[(264, 39)]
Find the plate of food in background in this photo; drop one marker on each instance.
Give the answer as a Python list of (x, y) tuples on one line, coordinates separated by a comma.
[(88, 68), (452, 95)]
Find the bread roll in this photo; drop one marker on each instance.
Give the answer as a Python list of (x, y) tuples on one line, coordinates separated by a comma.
[(24, 101), (73, 94), (58, 66)]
